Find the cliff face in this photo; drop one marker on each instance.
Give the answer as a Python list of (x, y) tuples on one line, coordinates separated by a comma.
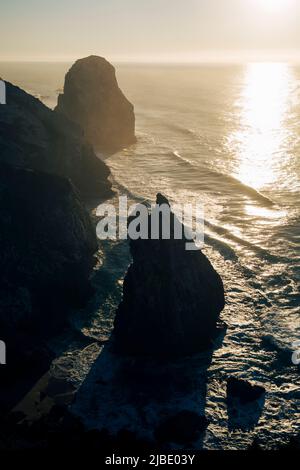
[(93, 99), (47, 240), (172, 299), (47, 243), (33, 136)]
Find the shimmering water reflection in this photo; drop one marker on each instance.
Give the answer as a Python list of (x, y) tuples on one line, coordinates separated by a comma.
[(262, 138)]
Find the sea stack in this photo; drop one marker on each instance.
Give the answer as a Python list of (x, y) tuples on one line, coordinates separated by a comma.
[(172, 299), (93, 99)]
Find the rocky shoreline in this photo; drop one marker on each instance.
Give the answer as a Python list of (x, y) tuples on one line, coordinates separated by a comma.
[(50, 176), (147, 386)]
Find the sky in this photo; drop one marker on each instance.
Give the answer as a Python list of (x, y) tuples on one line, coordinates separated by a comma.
[(150, 30)]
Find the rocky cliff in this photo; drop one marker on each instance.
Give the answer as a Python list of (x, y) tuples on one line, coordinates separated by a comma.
[(172, 299), (33, 136), (47, 240), (93, 99), (47, 243)]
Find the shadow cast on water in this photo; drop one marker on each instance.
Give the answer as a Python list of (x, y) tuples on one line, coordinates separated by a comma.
[(159, 401)]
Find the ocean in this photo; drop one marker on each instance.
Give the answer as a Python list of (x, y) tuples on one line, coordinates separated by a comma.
[(227, 136)]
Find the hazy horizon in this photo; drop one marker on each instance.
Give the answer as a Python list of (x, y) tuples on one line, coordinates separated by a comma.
[(168, 61), (161, 32)]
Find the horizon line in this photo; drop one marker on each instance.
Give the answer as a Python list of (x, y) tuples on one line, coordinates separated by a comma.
[(159, 62), (206, 57)]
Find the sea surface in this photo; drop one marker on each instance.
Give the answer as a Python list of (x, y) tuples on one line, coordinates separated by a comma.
[(227, 136)]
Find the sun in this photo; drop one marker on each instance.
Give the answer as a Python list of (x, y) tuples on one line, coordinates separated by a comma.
[(274, 5)]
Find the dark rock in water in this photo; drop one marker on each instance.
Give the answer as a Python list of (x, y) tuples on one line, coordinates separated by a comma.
[(161, 199), (47, 243), (245, 404), (183, 428), (244, 391), (33, 136), (172, 299), (93, 99)]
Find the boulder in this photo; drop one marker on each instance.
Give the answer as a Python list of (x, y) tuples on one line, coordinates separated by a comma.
[(33, 136), (244, 391), (93, 99), (172, 299)]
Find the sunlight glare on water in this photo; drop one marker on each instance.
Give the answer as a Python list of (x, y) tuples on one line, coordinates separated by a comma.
[(262, 138)]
